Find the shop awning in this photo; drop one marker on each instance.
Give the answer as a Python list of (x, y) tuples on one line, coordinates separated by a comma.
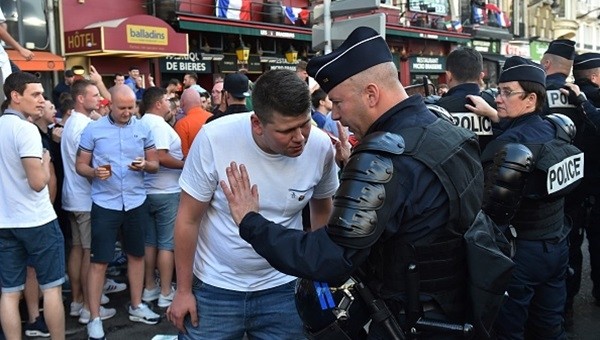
[(43, 61), (139, 36), (426, 33), (218, 25)]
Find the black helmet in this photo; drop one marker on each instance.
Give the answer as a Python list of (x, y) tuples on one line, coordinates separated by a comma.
[(331, 313)]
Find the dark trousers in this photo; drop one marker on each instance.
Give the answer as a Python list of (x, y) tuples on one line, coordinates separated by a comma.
[(536, 292), (585, 221)]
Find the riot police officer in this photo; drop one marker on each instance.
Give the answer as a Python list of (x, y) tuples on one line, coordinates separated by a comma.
[(464, 70), (529, 168), (586, 70), (408, 193), (558, 61)]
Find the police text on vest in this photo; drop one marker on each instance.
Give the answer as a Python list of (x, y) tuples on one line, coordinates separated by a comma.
[(478, 124), (558, 100), (565, 173)]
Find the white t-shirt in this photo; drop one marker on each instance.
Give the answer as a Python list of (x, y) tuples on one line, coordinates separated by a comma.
[(77, 190), (166, 180), (20, 206), (223, 259), (4, 62)]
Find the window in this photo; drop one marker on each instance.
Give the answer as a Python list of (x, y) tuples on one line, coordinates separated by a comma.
[(35, 25)]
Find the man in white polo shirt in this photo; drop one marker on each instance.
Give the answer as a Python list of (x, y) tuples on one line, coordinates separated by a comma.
[(29, 231)]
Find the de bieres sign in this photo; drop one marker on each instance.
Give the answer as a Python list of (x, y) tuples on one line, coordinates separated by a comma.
[(190, 63)]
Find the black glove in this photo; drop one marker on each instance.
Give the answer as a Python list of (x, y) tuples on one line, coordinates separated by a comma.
[(575, 99)]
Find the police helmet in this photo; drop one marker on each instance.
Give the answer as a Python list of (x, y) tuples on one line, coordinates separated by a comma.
[(565, 128), (331, 312), (440, 112)]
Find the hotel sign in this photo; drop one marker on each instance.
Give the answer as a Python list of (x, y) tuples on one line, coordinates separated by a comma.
[(138, 35)]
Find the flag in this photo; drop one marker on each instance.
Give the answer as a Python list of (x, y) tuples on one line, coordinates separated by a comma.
[(457, 26), (477, 14), (233, 9), (295, 13), (448, 25)]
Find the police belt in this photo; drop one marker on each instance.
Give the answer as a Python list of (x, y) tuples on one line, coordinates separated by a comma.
[(538, 219)]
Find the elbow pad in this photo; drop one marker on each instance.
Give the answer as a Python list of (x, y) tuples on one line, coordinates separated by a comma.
[(505, 180), (357, 204)]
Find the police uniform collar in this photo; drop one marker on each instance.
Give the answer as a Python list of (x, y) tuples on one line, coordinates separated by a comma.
[(411, 106), (585, 82), (464, 89)]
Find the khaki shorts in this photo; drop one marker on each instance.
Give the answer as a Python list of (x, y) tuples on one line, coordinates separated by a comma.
[(81, 228)]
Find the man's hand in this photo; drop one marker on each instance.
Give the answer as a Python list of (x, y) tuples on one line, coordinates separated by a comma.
[(94, 75), (573, 93), (343, 148), (27, 54), (242, 197), (482, 108), (57, 134), (184, 303)]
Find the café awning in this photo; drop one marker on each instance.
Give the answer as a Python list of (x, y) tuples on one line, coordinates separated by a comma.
[(139, 36), (43, 61)]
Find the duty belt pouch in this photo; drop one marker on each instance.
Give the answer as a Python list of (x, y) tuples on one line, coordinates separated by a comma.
[(489, 273)]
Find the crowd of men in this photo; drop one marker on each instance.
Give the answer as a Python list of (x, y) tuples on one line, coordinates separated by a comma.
[(363, 192)]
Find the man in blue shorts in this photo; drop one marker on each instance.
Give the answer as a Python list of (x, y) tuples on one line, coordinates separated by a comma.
[(114, 152), (29, 231)]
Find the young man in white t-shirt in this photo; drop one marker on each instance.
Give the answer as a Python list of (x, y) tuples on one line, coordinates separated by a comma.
[(162, 197), (29, 231), (235, 290)]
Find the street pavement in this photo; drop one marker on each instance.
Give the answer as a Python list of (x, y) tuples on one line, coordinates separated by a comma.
[(587, 317)]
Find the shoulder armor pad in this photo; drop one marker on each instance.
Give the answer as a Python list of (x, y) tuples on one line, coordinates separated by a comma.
[(382, 141), (440, 112), (565, 128)]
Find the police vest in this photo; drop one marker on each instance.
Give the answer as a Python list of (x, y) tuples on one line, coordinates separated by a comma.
[(557, 102), (452, 154), (558, 170)]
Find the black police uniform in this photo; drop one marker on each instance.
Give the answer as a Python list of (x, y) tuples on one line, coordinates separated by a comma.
[(455, 100), (408, 210), (578, 204), (537, 290), (587, 211)]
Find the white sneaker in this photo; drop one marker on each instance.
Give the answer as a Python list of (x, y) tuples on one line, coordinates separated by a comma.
[(76, 308), (105, 313), (111, 286), (95, 330), (151, 295), (165, 301), (104, 299), (143, 314)]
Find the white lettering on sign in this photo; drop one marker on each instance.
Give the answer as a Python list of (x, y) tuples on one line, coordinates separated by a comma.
[(171, 66), (564, 173), (470, 121), (558, 100)]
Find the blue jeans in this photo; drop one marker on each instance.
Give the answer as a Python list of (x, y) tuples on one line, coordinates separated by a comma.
[(226, 314), (41, 247), (163, 211), (537, 292)]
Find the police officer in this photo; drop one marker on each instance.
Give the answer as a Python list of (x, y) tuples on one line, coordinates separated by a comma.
[(558, 61), (586, 70), (464, 70), (407, 194), (529, 168)]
